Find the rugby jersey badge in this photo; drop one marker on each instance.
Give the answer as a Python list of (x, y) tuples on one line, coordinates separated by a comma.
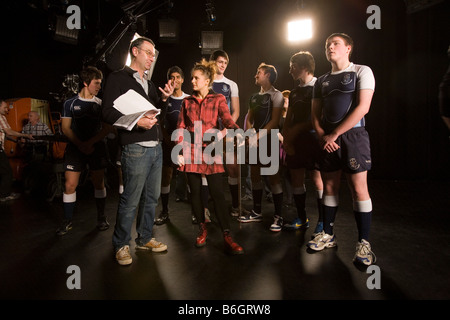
[(354, 165), (347, 79)]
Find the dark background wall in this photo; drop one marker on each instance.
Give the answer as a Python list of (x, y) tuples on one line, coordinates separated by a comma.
[(408, 56)]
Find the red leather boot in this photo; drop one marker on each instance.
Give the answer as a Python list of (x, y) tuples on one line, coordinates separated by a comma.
[(231, 246), (202, 235)]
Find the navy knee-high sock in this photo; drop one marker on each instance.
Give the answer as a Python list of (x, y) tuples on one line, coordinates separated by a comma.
[(100, 200), (69, 207), (363, 223), (100, 203), (165, 202), (257, 199), (329, 215), (362, 210), (300, 201), (69, 201), (278, 203), (320, 208)]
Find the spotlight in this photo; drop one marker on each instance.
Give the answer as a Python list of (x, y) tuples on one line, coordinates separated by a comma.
[(299, 30)]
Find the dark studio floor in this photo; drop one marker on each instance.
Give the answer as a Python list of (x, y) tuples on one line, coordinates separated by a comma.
[(410, 236)]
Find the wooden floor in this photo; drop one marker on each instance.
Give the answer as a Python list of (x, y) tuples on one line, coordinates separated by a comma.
[(410, 236)]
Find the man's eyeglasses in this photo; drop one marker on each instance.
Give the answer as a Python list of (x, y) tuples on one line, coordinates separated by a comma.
[(148, 53)]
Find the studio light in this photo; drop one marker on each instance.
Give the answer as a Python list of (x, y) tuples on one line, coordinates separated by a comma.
[(413, 6), (300, 27), (211, 11), (62, 33), (299, 30), (168, 30), (211, 41)]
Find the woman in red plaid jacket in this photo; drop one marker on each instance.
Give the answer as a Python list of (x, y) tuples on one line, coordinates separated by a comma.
[(199, 113)]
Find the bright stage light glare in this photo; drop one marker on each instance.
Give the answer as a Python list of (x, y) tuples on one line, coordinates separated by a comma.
[(128, 62), (300, 30)]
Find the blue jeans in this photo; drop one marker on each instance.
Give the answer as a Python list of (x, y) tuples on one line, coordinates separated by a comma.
[(141, 170)]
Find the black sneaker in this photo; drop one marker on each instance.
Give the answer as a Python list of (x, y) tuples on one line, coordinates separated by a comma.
[(162, 219), (64, 228), (102, 224)]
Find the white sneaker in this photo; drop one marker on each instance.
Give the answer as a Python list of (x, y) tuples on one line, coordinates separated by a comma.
[(364, 253), (123, 256), (321, 241), (153, 245), (277, 224), (12, 196), (252, 217)]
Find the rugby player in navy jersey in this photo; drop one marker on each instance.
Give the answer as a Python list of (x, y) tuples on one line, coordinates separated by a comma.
[(83, 126), (176, 76), (225, 86), (230, 90), (341, 99), (265, 111), (300, 141)]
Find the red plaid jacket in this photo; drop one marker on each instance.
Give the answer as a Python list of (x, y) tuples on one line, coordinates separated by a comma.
[(209, 110)]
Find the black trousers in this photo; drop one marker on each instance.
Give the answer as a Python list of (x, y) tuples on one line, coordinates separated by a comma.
[(6, 175), (215, 187)]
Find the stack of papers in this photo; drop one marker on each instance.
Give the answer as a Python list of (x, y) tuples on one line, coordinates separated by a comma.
[(133, 106)]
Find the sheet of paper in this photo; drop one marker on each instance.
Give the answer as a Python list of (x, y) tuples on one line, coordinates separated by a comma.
[(132, 102), (133, 106), (129, 121)]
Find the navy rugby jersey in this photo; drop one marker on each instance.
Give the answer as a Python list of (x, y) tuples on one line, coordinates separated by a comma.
[(86, 116), (228, 88), (300, 102), (173, 111), (339, 93), (262, 104)]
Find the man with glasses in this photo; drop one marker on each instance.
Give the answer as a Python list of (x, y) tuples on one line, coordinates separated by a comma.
[(141, 152)]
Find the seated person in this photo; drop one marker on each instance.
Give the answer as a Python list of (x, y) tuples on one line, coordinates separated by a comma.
[(35, 148)]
